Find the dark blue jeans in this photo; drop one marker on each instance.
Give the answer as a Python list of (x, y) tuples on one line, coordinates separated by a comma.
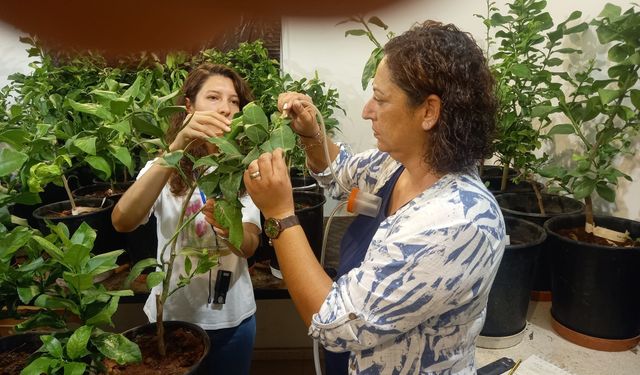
[(231, 349)]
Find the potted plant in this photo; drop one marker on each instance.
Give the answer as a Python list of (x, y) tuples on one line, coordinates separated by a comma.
[(527, 49), (526, 63), (59, 274), (252, 133), (594, 301)]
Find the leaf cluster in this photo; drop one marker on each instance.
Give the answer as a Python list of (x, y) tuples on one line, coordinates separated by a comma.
[(602, 110)]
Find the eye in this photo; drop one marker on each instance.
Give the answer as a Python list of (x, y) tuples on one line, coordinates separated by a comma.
[(213, 97)]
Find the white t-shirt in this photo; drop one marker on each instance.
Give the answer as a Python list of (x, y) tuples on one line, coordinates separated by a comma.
[(190, 302)]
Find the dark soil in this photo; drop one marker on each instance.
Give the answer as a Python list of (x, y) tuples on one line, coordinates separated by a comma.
[(11, 363), (579, 234), (105, 193), (184, 349)]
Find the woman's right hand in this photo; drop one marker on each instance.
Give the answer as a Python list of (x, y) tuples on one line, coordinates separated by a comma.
[(299, 108), (201, 126)]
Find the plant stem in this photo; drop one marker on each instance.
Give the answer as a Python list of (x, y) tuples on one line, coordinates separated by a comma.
[(68, 190), (588, 210), (166, 282)]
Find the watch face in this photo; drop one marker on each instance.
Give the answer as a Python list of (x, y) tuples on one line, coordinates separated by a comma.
[(272, 228)]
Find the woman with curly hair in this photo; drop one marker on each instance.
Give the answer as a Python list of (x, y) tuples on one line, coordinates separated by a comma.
[(413, 281), (212, 94)]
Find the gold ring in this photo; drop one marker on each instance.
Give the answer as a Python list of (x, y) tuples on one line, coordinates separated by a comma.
[(254, 175)]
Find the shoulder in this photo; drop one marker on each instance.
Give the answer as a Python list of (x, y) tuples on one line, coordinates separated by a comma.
[(456, 201)]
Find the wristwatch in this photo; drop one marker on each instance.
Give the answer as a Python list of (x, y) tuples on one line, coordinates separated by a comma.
[(273, 227)]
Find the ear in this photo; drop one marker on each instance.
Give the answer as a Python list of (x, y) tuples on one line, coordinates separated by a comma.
[(431, 106), (188, 105)]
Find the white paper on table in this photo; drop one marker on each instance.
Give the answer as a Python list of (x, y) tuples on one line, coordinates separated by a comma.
[(535, 365)]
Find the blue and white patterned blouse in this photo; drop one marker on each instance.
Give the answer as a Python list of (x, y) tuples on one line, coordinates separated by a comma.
[(417, 302)]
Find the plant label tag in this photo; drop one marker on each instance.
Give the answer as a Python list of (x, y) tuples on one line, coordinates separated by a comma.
[(223, 280)]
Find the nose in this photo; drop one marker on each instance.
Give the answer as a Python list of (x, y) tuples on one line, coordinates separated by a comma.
[(367, 110), (224, 108)]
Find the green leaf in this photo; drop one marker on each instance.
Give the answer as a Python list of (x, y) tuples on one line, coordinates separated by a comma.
[(16, 138), (635, 98), (86, 144), (253, 114), (11, 161), (606, 95), (542, 110), (146, 125), (105, 314), (561, 129), (378, 22), (583, 188), (123, 156), (53, 302), (122, 127), (251, 156), (118, 348), (92, 109), (230, 185), (208, 183), (40, 365), (520, 70), (119, 106), (100, 166), (256, 133), (84, 235), (77, 344), (173, 158), (610, 11), (103, 262), (134, 90), (28, 293), (50, 248), (137, 269), (155, 278), (207, 161), (283, 138), (171, 110), (74, 368), (606, 192), (229, 215), (226, 146), (370, 66), (52, 346), (355, 32)]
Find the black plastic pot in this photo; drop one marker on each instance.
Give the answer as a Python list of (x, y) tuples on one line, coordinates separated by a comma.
[(150, 329), (525, 206), (595, 288), (509, 295), (520, 187), (107, 238), (303, 182), (309, 209), (495, 171), (51, 194), (24, 343), (143, 241), (99, 190)]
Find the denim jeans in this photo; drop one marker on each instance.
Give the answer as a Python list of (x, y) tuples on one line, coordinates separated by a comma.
[(231, 349)]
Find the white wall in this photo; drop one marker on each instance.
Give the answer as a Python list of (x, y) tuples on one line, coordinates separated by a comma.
[(312, 44), (13, 54)]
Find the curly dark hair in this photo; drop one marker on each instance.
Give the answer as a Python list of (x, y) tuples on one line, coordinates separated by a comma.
[(432, 58), (192, 85)]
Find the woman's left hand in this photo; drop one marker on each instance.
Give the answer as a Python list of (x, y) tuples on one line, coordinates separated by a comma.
[(268, 184)]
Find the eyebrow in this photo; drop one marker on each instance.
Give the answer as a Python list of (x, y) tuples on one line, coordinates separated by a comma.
[(219, 92)]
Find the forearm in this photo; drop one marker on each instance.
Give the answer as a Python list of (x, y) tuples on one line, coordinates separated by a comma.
[(314, 151), (306, 280), (134, 206)]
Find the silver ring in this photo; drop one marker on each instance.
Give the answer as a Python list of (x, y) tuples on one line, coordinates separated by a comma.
[(254, 175)]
